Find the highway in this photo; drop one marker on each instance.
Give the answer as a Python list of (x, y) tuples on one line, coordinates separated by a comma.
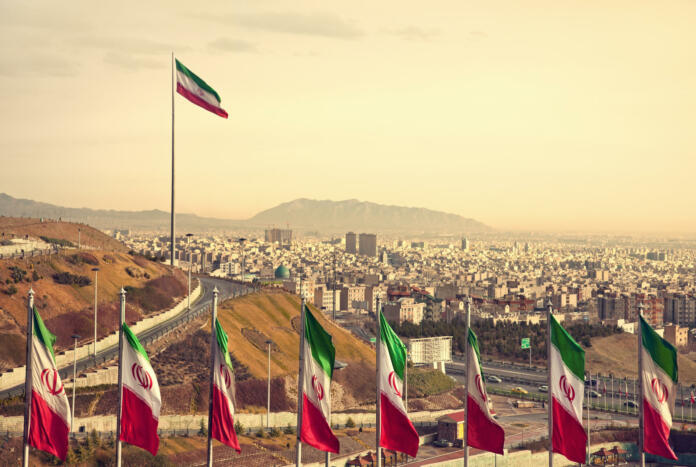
[(529, 379), (226, 290)]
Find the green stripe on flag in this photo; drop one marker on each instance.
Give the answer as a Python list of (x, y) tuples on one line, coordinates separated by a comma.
[(397, 349), (201, 84), (572, 354), (473, 341), (134, 342), (319, 342), (43, 334), (222, 342), (662, 352)]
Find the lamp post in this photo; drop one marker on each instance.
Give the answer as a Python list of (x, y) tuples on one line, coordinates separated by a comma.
[(241, 243), (268, 409), (78, 239), (74, 381), (96, 276), (188, 247)]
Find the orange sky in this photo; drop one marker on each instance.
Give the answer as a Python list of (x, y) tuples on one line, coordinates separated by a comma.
[(523, 115)]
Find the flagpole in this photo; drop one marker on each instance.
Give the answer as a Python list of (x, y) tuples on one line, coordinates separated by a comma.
[(120, 378), (29, 377), (378, 418), (549, 312), (300, 381), (173, 246), (465, 441), (213, 340), (641, 435)]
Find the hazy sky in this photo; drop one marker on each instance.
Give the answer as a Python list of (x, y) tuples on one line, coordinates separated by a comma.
[(520, 114)]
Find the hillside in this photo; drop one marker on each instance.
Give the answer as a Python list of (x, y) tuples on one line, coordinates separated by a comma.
[(275, 315), (67, 307), (617, 354), (364, 216), (89, 237)]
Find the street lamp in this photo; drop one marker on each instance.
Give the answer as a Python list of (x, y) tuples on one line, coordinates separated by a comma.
[(241, 243), (268, 410), (96, 276), (74, 381), (188, 247)]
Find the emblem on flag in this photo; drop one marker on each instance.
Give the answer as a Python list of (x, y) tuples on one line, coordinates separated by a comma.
[(143, 377), (566, 389), (51, 379), (392, 383)]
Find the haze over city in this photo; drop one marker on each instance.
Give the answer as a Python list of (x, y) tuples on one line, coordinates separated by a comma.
[(533, 116)]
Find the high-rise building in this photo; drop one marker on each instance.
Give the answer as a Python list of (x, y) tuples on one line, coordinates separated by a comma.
[(281, 236), (368, 245), (351, 243), (465, 244)]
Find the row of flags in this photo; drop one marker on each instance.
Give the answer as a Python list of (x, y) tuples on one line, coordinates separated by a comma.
[(49, 420), (140, 399)]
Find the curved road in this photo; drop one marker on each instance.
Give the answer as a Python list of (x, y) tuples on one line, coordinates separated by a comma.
[(226, 290)]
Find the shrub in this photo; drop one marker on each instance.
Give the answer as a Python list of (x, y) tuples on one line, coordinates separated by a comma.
[(289, 430), (275, 432), (83, 258), (57, 241), (238, 427), (260, 433), (350, 423), (11, 290), (17, 274), (34, 276), (66, 278), (203, 430)]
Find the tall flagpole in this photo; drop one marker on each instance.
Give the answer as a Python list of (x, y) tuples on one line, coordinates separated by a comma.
[(589, 391), (378, 417), (173, 247), (641, 434), (466, 383), (549, 312), (300, 382), (120, 378), (29, 377), (213, 343)]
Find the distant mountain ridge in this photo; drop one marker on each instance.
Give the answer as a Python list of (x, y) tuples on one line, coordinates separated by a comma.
[(301, 214), (357, 215)]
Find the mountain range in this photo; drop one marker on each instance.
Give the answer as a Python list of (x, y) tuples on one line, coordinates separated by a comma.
[(323, 216)]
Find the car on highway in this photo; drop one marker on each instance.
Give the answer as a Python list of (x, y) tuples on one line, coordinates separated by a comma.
[(519, 390), (591, 382), (493, 379), (543, 388), (630, 404), (595, 394)]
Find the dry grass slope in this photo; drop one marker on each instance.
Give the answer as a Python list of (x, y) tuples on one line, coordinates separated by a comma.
[(89, 236), (617, 354)]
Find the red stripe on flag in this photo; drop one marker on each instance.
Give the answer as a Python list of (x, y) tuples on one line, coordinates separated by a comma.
[(138, 426), (199, 102), (483, 433), (48, 431), (222, 425), (569, 437), (656, 433), (398, 433), (315, 429)]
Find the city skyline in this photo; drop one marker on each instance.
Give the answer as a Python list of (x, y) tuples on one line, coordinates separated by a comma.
[(541, 116)]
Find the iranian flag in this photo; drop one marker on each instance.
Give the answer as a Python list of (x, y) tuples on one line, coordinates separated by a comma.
[(49, 424), (141, 398), (483, 431), (193, 88), (659, 380), (318, 360), (397, 431), (222, 423), (567, 366)]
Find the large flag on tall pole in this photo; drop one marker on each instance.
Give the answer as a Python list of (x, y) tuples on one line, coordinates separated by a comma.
[(566, 386), (658, 377), (483, 432), (141, 398), (396, 430), (222, 419), (318, 360), (49, 424), (193, 88)]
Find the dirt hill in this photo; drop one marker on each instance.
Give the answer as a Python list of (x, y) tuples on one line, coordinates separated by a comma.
[(617, 354), (89, 237), (64, 294)]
